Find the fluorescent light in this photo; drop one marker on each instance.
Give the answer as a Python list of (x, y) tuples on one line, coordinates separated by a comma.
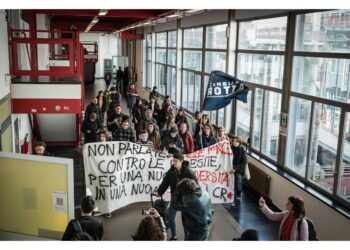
[(103, 12), (95, 20)]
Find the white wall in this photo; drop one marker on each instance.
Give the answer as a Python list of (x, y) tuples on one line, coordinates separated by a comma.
[(330, 225), (107, 47), (4, 62), (24, 127), (42, 23)]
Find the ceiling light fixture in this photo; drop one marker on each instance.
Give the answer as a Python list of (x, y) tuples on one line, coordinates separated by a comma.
[(103, 12)]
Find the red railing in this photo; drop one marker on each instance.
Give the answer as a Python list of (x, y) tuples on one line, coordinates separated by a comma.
[(61, 45)]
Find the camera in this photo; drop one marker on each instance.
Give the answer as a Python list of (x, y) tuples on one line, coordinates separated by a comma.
[(146, 211)]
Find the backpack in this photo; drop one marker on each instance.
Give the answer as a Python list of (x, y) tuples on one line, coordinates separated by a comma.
[(79, 234), (311, 229)]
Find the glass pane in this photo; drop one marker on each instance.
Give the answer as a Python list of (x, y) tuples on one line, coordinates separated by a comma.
[(221, 117), (322, 77), (243, 117), (149, 40), (171, 75), (298, 134), (172, 57), (172, 39), (262, 69), (323, 31), (324, 145), (161, 55), (149, 54), (193, 38), (192, 60), (215, 61), (270, 129), (259, 97), (265, 34), (160, 78), (149, 75), (161, 39), (216, 37), (191, 91), (344, 178)]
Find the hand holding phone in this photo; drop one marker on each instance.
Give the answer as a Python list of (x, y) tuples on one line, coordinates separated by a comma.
[(146, 211)]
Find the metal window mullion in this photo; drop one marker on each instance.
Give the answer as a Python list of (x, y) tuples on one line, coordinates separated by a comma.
[(262, 52), (202, 93), (309, 140), (286, 86), (262, 118), (234, 106), (251, 129), (342, 105), (338, 161), (322, 54)]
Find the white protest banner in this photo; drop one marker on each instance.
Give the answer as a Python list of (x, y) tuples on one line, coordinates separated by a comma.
[(211, 166), (120, 173)]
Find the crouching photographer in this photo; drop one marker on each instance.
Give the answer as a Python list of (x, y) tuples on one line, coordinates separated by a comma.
[(151, 227)]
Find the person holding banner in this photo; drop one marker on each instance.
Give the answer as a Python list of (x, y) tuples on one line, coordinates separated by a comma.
[(239, 162), (196, 209), (144, 140), (220, 134), (178, 171), (206, 139)]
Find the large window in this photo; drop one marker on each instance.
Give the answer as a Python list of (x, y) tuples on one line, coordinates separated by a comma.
[(344, 177), (193, 38), (265, 34), (323, 77), (323, 32), (319, 102), (262, 69), (166, 63), (298, 135), (260, 62), (243, 118), (191, 91)]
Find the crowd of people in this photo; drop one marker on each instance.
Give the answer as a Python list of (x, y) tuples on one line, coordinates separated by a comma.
[(165, 127)]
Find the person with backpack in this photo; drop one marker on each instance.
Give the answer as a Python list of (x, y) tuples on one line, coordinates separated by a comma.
[(293, 225), (91, 227)]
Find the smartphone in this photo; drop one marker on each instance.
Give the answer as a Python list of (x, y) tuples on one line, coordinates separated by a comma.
[(146, 212)]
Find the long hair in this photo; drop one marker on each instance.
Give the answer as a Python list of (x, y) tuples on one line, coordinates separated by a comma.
[(149, 229), (298, 206)]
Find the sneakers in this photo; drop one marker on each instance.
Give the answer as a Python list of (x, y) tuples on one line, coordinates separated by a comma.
[(173, 238)]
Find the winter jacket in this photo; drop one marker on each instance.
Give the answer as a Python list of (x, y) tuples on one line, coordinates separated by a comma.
[(121, 134), (89, 224), (196, 210), (167, 140), (92, 108), (111, 125), (188, 142), (172, 177), (94, 127), (239, 159), (202, 141), (282, 216), (180, 119)]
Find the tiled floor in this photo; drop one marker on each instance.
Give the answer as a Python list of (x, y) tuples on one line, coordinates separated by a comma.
[(247, 214)]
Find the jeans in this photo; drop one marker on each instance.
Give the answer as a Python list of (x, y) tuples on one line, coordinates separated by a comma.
[(238, 186), (172, 222)]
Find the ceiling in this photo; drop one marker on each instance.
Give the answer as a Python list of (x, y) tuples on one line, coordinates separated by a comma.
[(114, 20)]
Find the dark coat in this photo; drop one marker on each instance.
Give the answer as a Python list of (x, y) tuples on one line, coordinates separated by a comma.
[(172, 177), (196, 210), (239, 159), (92, 108), (94, 127), (89, 224)]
